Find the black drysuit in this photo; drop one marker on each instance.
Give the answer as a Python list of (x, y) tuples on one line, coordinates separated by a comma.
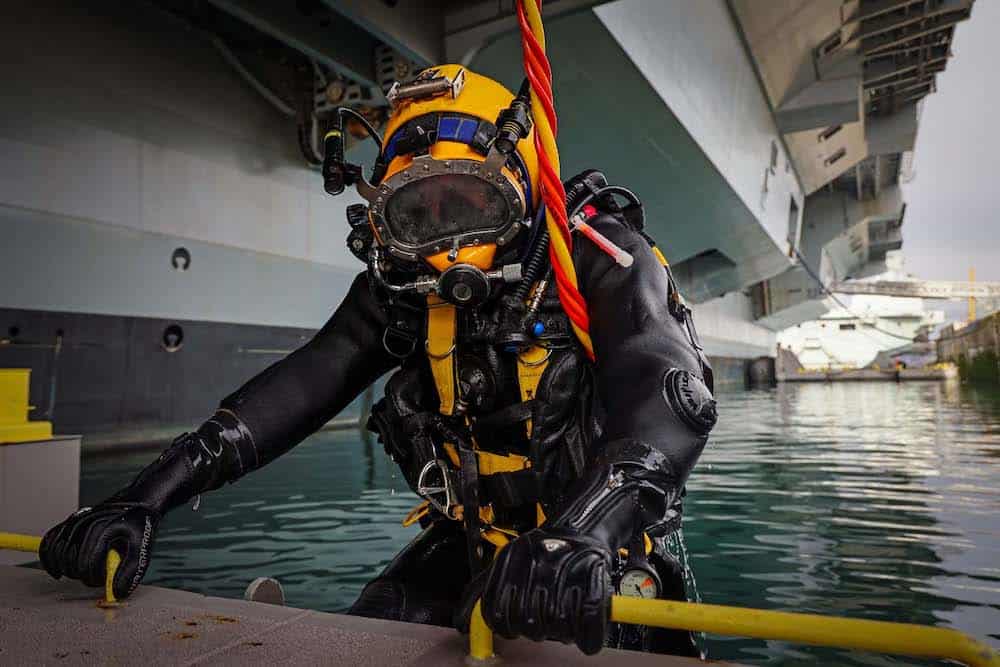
[(650, 380)]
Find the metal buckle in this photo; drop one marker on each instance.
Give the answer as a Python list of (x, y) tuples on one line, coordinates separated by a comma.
[(436, 486)]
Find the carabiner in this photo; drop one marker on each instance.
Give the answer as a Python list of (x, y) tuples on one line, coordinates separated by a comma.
[(440, 493)]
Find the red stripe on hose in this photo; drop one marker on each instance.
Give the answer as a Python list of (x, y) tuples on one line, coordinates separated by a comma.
[(538, 71)]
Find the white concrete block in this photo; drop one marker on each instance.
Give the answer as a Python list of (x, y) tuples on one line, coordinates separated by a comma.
[(39, 487)]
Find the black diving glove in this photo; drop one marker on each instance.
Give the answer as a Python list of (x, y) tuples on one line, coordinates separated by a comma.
[(77, 547), (554, 582), (551, 584), (126, 522)]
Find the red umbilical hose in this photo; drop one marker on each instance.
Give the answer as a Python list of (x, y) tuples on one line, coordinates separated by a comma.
[(539, 74)]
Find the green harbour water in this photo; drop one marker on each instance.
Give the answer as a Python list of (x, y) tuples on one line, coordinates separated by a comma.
[(871, 500)]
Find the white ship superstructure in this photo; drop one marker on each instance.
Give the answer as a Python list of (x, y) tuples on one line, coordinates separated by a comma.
[(852, 337)]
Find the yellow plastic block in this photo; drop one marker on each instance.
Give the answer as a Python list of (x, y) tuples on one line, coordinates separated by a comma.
[(14, 384), (14, 408), (25, 432)]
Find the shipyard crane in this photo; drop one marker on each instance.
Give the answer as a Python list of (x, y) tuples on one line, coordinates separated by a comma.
[(925, 289)]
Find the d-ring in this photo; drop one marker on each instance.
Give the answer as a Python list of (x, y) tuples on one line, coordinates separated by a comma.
[(388, 348), (529, 364), (427, 347)]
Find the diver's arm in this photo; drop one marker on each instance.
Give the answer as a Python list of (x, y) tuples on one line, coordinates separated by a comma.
[(265, 418), (554, 582), (280, 406), (293, 398), (651, 379)]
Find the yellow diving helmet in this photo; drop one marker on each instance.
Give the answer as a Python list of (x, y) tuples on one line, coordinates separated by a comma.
[(449, 195), (455, 182), (457, 174)]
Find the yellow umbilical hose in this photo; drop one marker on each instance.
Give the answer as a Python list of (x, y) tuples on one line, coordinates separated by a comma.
[(851, 633), (846, 633), (16, 542), (31, 544)]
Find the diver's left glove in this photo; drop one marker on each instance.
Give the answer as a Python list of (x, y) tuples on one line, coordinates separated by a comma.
[(77, 547), (127, 521)]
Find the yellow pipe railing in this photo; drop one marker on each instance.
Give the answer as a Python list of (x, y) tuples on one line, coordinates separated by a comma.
[(31, 544), (16, 542), (480, 635), (847, 633)]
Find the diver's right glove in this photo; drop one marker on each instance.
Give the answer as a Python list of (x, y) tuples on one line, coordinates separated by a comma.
[(554, 582), (551, 583), (127, 521)]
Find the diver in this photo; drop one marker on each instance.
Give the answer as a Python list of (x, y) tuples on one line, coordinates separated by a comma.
[(550, 481)]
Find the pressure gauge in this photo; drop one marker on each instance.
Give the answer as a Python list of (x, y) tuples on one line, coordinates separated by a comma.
[(639, 582), (639, 578)]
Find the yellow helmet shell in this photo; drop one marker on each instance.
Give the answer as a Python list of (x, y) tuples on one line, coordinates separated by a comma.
[(481, 97)]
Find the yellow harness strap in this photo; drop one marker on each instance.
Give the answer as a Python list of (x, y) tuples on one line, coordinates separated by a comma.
[(530, 365), (441, 325), (452, 454), (417, 513), (441, 333), (647, 543), (490, 463), (660, 257)]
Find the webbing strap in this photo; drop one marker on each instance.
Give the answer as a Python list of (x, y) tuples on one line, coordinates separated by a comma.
[(530, 365), (660, 257), (470, 507), (441, 322), (518, 413), (509, 490), (492, 464), (418, 134)]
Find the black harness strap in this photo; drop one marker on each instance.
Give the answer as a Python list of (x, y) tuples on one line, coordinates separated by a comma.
[(516, 413), (510, 489), (469, 481)]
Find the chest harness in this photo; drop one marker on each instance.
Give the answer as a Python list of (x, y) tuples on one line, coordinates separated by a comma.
[(472, 481), (461, 468)]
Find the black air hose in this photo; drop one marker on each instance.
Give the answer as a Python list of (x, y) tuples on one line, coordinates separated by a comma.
[(533, 265)]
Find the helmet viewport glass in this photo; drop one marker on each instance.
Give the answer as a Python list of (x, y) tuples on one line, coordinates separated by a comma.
[(445, 207)]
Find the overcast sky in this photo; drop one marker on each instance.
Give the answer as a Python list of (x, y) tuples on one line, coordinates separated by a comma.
[(951, 217)]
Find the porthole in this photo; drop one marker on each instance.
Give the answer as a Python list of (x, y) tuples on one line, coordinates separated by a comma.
[(180, 259), (173, 338)]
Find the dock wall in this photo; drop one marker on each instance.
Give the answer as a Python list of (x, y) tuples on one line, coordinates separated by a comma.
[(975, 349), (49, 622)]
